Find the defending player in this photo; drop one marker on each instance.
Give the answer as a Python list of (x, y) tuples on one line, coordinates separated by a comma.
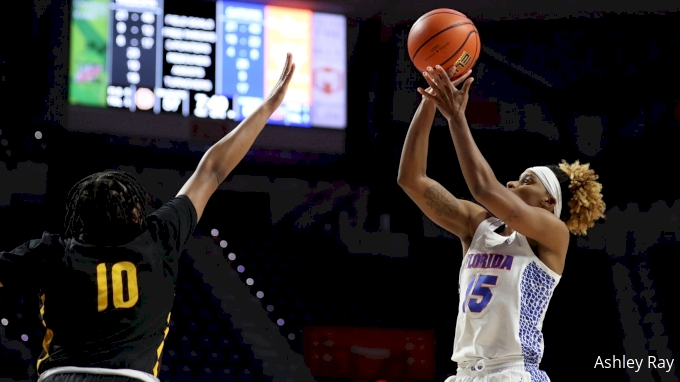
[(108, 283), (511, 265)]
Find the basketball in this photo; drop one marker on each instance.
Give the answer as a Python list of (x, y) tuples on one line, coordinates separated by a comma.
[(444, 37)]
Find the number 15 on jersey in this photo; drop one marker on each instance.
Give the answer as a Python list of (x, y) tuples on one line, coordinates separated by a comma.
[(478, 293)]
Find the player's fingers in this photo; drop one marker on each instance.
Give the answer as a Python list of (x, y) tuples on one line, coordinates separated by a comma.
[(284, 71), (283, 85), (435, 74), (462, 78), (466, 86), (452, 71), (441, 86), (430, 80), (291, 64), (426, 94), (289, 76), (286, 67), (447, 88), (442, 75)]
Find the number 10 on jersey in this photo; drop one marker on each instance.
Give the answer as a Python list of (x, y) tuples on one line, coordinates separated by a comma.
[(123, 279), (478, 293)]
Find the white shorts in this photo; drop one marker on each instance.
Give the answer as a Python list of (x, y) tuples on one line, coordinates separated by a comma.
[(499, 372), (93, 373)]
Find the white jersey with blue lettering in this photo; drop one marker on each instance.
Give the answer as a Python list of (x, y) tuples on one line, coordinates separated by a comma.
[(504, 293)]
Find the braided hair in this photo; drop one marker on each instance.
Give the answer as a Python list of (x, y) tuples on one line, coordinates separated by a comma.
[(105, 208), (582, 193)]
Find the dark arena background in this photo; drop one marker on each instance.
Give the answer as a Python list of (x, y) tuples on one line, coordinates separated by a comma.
[(310, 262)]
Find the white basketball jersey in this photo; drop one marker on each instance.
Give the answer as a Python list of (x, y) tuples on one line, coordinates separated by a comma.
[(504, 293)]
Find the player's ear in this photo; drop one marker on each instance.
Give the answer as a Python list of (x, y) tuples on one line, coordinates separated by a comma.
[(549, 203)]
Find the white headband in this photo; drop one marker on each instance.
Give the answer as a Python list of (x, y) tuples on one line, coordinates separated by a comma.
[(550, 182)]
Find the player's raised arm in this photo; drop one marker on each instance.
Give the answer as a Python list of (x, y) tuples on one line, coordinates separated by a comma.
[(223, 156), (535, 223), (459, 217)]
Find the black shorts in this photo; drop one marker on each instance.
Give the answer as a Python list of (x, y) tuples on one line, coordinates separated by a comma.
[(79, 374)]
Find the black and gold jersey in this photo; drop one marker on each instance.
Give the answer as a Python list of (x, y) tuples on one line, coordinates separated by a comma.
[(105, 306)]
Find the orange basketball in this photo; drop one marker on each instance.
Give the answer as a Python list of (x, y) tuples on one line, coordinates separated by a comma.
[(444, 37)]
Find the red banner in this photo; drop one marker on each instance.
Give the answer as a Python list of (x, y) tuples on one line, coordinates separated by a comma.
[(366, 354)]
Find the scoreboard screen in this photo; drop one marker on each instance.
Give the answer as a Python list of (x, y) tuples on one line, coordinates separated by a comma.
[(207, 60)]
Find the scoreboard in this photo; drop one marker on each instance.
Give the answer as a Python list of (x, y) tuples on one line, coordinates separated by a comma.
[(208, 60)]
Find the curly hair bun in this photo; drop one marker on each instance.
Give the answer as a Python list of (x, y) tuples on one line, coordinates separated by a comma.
[(586, 205)]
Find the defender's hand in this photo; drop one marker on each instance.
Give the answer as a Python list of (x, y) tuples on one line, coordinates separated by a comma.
[(279, 92)]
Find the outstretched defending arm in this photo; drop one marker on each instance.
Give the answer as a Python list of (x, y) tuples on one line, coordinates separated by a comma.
[(223, 156), (460, 217)]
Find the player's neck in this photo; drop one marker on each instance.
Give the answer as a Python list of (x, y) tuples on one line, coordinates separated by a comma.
[(504, 230)]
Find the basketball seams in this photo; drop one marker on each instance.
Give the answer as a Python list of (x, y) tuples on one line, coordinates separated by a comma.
[(477, 50), (449, 12), (438, 33), (442, 37), (461, 48)]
